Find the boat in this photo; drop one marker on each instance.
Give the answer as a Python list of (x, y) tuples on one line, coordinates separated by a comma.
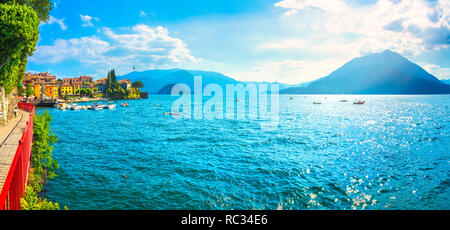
[(75, 107), (173, 114), (111, 106), (97, 107), (124, 104), (291, 98), (359, 102), (61, 106), (69, 106), (317, 103), (343, 100)]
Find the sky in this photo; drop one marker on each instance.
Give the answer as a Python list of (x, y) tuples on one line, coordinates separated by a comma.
[(286, 41)]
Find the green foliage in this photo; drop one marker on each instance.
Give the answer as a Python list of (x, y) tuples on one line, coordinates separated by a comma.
[(42, 7), (29, 91), (117, 93), (43, 140), (43, 165), (20, 90), (85, 92), (31, 200), (18, 37), (137, 84)]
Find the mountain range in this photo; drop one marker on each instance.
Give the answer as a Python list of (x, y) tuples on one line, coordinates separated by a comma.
[(379, 73)]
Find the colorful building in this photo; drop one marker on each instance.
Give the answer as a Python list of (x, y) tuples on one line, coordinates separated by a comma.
[(44, 78), (66, 89), (101, 84), (37, 90), (52, 91), (86, 79), (76, 87), (125, 84)]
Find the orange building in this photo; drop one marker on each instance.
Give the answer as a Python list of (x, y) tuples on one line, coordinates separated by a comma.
[(37, 90), (52, 91)]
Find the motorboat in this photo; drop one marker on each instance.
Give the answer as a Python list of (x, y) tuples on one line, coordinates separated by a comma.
[(124, 104), (359, 102), (343, 100), (111, 106), (75, 107), (317, 103)]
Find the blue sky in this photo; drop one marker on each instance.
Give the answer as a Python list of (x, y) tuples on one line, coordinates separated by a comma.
[(289, 41)]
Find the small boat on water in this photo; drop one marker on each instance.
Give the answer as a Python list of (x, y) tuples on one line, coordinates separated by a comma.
[(111, 106), (75, 107), (317, 103), (124, 104), (173, 114), (71, 106), (359, 102), (291, 98), (61, 106), (343, 100), (97, 106)]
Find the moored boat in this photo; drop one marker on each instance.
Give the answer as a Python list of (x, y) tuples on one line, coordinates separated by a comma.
[(359, 102)]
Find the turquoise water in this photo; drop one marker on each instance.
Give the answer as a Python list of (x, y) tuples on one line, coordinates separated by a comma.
[(391, 153)]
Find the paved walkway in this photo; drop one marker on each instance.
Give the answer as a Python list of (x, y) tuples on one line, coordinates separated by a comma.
[(9, 141)]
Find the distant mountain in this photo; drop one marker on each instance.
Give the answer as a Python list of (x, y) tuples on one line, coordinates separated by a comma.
[(379, 73), (158, 81), (162, 81)]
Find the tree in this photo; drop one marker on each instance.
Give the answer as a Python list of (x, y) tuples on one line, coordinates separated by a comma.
[(137, 84), (30, 90), (113, 76), (18, 37), (42, 7)]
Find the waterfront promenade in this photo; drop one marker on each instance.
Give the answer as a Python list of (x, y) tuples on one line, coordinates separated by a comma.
[(9, 141)]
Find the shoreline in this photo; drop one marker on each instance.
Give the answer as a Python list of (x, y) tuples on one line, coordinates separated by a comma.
[(93, 100), (82, 100)]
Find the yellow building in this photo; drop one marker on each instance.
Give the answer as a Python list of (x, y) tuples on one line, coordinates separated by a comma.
[(76, 87), (66, 89), (37, 90), (52, 91)]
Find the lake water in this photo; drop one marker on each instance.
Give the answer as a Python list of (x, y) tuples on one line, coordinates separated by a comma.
[(391, 153)]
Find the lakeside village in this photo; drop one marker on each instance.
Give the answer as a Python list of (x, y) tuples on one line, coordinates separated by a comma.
[(45, 90)]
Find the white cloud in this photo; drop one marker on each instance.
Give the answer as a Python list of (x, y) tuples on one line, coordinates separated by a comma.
[(86, 49), (337, 31), (154, 41), (437, 71), (408, 27), (87, 20), (60, 22), (144, 47)]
